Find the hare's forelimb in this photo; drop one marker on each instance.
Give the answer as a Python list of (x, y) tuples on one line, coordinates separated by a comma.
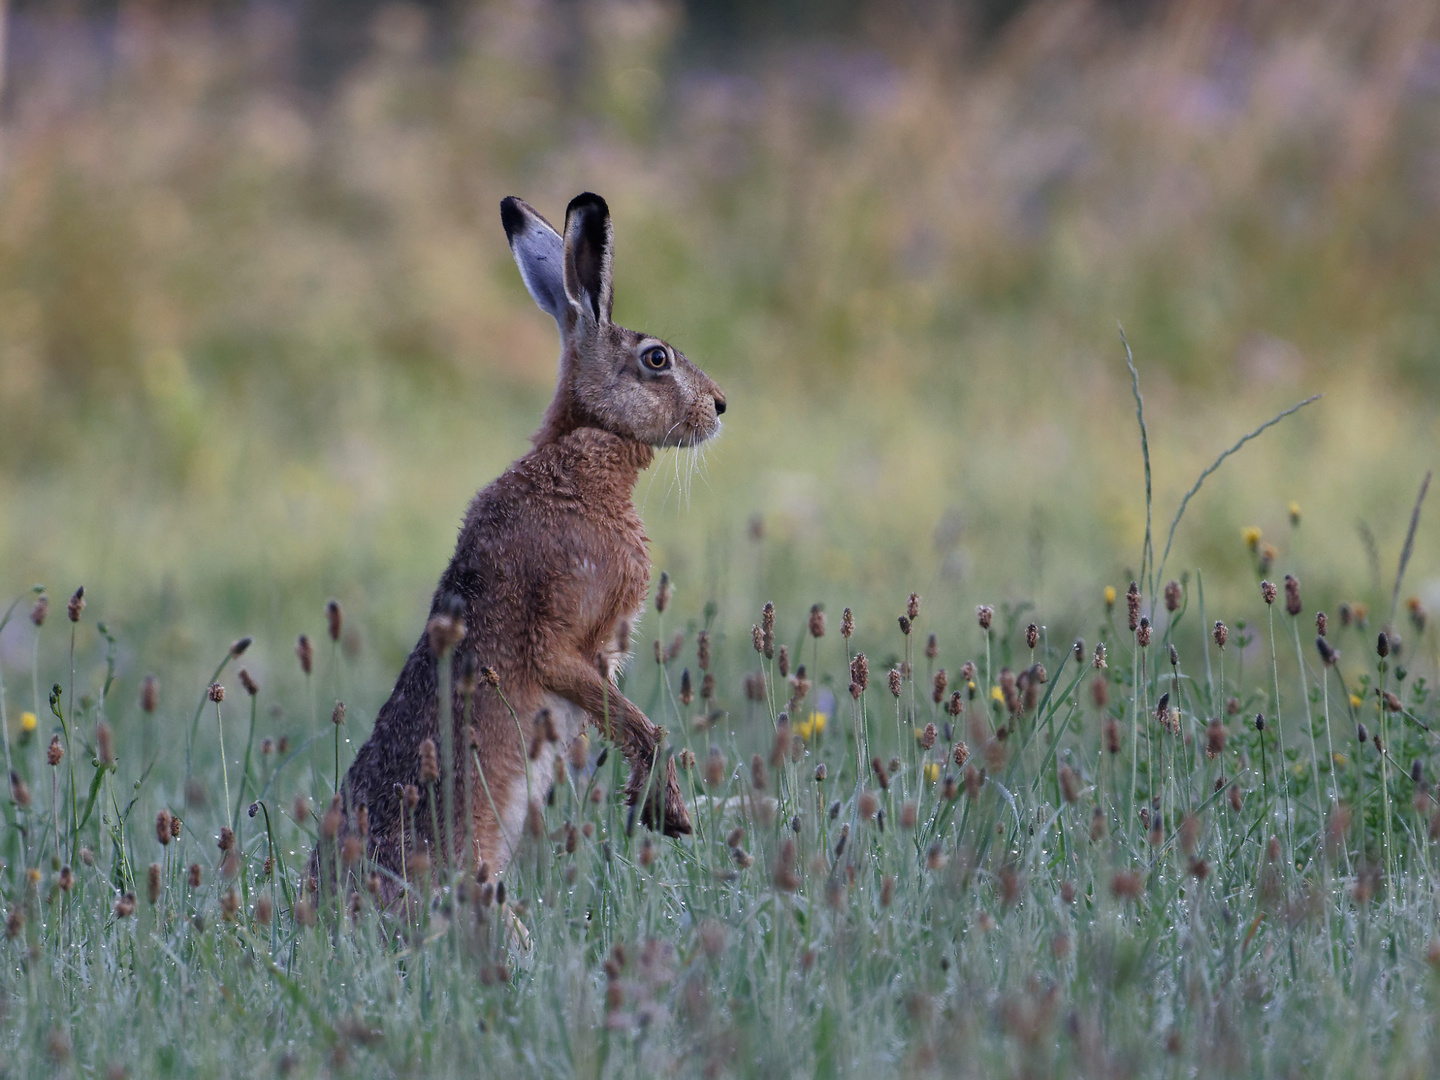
[(637, 738)]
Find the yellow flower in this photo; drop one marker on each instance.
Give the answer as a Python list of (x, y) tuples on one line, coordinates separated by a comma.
[(811, 726), (1294, 512), (1109, 596), (1251, 534), (28, 721), (1355, 701), (1299, 769), (932, 771), (34, 876), (1340, 759), (919, 733), (997, 693)]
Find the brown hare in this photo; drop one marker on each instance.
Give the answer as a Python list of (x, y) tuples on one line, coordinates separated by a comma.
[(549, 575)]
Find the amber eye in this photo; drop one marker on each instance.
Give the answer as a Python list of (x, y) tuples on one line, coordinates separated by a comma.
[(656, 358)]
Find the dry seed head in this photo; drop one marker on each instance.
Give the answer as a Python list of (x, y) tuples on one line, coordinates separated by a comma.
[(76, 605), (217, 693), (19, 790), (984, 615), (1221, 633), (125, 906), (337, 714), (411, 794), (1347, 614), (859, 673), (847, 623), (1382, 645), (1032, 636), (1174, 655), (333, 618), (248, 682), (306, 653), (955, 705), (868, 804), (1069, 784), (1417, 613), (785, 877), (1132, 605), (1142, 632), (757, 772), (707, 687), (1391, 701), (912, 607), (1112, 736), (1268, 592), (1126, 885), (1100, 691), (227, 838), (820, 773), (949, 788), (300, 810), (714, 766), (1099, 825), (152, 884), (887, 890), (175, 826), (1292, 595), (817, 621), (1173, 595), (1322, 624), (973, 781), (894, 681), (909, 813), (444, 632), (757, 638), (104, 744), (687, 695), (1267, 556), (960, 755), (662, 594), (333, 819), (162, 827), (928, 737), (239, 645), (1214, 739), (192, 877), (783, 662), (932, 647), (1078, 650), (1328, 653), (149, 694), (40, 611), (1237, 798), (264, 909), (878, 768), (767, 617), (905, 625), (429, 762), (702, 650), (55, 752)]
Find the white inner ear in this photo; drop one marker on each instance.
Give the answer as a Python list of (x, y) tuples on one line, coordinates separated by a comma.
[(540, 253)]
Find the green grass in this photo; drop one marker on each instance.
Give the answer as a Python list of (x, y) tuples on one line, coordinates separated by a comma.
[(811, 927)]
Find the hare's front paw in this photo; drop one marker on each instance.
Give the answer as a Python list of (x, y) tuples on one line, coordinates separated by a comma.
[(664, 811)]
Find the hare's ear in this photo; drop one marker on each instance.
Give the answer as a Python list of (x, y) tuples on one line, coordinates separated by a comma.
[(588, 243), (539, 252)]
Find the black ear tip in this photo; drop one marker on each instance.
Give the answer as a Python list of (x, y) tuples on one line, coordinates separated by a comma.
[(511, 216), (588, 202)]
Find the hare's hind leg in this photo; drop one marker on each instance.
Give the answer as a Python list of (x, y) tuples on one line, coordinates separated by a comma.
[(639, 740)]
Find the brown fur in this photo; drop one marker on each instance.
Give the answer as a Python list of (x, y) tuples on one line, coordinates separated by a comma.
[(549, 573)]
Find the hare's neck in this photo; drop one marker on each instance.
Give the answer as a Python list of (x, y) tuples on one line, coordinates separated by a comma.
[(600, 459)]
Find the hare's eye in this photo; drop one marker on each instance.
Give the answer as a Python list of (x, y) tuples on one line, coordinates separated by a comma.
[(656, 358)]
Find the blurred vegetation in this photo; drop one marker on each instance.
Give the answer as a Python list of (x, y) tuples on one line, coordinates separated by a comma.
[(260, 335)]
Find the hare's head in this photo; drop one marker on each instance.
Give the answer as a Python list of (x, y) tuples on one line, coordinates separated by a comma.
[(625, 382)]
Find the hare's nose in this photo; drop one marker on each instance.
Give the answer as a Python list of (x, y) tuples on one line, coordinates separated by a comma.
[(719, 404)]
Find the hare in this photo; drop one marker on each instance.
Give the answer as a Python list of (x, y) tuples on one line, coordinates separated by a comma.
[(550, 573)]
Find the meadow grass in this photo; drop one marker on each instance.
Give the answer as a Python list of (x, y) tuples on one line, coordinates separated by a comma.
[(1158, 850)]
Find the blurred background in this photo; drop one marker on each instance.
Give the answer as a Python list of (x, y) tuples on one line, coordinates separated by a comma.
[(261, 337)]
